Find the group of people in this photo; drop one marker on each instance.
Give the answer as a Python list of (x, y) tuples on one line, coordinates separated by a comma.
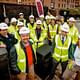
[(21, 40)]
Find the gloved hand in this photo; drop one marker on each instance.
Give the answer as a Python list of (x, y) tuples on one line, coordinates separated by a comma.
[(22, 76), (70, 64)]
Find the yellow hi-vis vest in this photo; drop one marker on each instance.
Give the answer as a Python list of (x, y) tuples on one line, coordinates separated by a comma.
[(52, 30), (61, 50), (19, 20), (12, 29), (17, 36), (73, 33), (31, 27), (42, 38), (21, 61)]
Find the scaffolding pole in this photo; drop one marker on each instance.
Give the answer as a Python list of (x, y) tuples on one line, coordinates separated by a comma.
[(4, 10)]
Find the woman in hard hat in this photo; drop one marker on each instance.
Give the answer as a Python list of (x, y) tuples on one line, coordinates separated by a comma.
[(61, 45), (75, 67), (23, 56)]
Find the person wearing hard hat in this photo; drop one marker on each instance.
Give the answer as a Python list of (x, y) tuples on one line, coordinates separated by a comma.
[(75, 67), (31, 25), (61, 45), (6, 41), (46, 23), (73, 31), (17, 35), (38, 35), (41, 18), (6, 37), (13, 26), (22, 19), (52, 29), (23, 56), (59, 22)]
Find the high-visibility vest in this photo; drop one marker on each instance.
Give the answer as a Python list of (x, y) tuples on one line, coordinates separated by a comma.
[(73, 32), (43, 36), (21, 60), (23, 22), (52, 30), (12, 29), (17, 36), (45, 25), (31, 27), (61, 50)]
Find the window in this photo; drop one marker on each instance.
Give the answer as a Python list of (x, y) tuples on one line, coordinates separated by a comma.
[(62, 5), (65, 0), (52, 1), (19, 1), (59, 5), (33, 3)]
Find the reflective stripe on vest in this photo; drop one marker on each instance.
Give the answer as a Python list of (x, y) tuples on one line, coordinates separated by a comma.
[(21, 61), (52, 30), (17, 36), (61, 50), (62, 47), (31, 27), (42, 38)]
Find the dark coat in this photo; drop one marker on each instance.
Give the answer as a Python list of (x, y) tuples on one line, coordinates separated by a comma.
[(13, 59), (8, 41)]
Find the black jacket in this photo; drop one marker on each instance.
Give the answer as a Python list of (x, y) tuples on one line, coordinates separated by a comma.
[(8, 41), (13, 59)]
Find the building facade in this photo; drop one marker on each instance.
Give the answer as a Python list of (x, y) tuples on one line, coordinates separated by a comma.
[(77, 3), (55, 5)]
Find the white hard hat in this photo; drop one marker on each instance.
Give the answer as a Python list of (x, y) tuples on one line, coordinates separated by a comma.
[(24, 30), (47, 17), (20, 24), (38, 22), (65, 27), (52, 17), (21, 14), (13, 20), (41, 16), (3, 26), (72, 19), (31, 16)]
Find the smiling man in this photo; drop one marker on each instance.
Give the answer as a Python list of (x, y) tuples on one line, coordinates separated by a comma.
[(23, 56)]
